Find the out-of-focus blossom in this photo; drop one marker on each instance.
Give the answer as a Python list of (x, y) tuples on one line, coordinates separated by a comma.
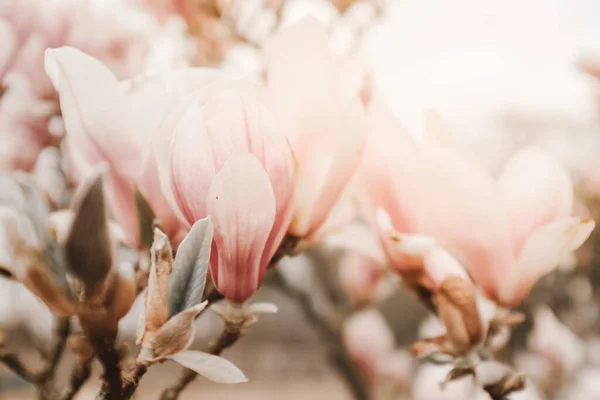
[(507, 232), (23, 125), (324, 123), (556, 342), (361, 277), (128, 46), (228, 161), (369, 341)]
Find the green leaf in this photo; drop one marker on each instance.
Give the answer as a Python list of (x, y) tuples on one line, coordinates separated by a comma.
[(191, 265)]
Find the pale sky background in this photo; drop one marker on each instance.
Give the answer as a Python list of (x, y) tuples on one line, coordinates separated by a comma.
[(476, 60)]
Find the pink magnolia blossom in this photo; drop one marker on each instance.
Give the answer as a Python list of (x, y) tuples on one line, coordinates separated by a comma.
[(322, 118), (228, 161), (369, 340), (507, 232), (111, 122)]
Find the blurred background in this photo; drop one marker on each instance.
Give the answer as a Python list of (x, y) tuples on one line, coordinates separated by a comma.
[(503, 74)]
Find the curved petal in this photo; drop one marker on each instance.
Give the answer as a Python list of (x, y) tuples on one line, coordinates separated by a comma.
[(388, 169), (186, 104), (346, 152), (192, 168), (439, 265), (280, 168), (299, 76), (92, 105), (544, 249), (458, 204), (241, 205), (536, 191)]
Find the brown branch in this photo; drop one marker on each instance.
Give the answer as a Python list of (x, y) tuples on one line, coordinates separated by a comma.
[(109, 357), (44, 379), (62, 331), (331, 335), (16, 366), (79, 376), (228, 337)]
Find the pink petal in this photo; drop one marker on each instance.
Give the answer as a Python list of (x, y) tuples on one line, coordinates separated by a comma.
[(192, 168), (536, 191), (388, 169), (360, 276), (9, 42), (242, 207), (360, 239), (542, 252), (323, 176), (300, 76), (93, 108), (458, 205), (203, 86), (439, 265), (280, 168), (369, 340)]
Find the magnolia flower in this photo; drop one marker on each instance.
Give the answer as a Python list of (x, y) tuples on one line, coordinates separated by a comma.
[(507, 232), (369, 341), (227, 161), (107, 123), (323, 120)]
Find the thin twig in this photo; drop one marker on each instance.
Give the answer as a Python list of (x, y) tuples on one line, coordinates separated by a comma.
[(16, 366), (331, 335), (62, 331), (228, 337), (79, 376)]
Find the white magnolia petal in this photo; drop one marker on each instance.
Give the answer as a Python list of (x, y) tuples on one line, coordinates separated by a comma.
[(416, 245), (263, 308), (544, 249), (358, 237), (491, 372), (212, 367)]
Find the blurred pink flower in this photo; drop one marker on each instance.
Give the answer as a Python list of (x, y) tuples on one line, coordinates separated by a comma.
[(23, 123), (228, 162), (322, 117), (507, 232), (29, 27), (361, 277), (16, 24), (369, 340), (556, 342)]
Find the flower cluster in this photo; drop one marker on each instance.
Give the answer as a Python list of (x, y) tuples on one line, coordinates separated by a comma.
[(189, 184)]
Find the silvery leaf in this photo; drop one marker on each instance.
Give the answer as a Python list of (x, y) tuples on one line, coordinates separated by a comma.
[(191, 265), (215, 368), (35, 205), (88, 246), (11, 194)]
